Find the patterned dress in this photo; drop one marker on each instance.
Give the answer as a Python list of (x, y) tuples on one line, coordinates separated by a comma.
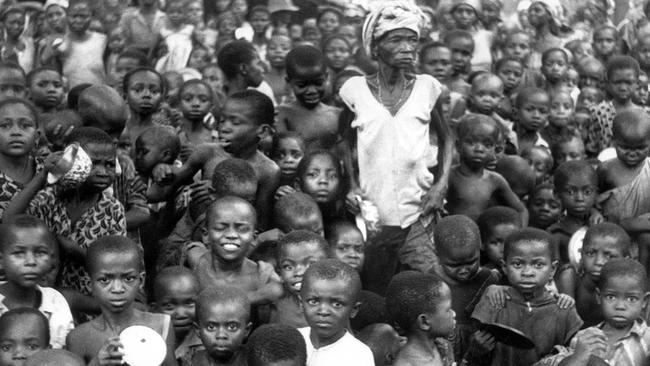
[(105, 218), (9, 187)]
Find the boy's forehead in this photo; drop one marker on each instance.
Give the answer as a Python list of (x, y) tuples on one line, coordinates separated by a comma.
[(300, 250), (624, 282), (530, 247), (537, 98), (245, 211), (100, 150), (49, 74), (339, 286), (226, 309), (144, 76), (309, 72), (196, 88)]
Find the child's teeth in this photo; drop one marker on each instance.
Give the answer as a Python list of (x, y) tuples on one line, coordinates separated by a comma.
[(230, 246), (297, 286)]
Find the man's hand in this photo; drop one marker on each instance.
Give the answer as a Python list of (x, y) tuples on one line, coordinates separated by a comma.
[(434, 199)]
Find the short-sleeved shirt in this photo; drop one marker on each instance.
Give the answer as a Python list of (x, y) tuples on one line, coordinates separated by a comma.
[(9, 187), (542, 320), (347, 351), (106, 217), (56, 310)]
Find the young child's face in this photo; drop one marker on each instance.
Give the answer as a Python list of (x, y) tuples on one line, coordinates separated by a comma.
[(221, 5), (478, 146), (443, 318), (641, 92), (222, 327), (328, 305), (144, 93), (294, 260), (102, 173), (544, 208), (194, 12), (598, 251), (460, 263), (554, 67), (571, 79), (226, 26), (214, 77), (643, 53), (518, 45), (590, 96), (178, 300), (622, 83), (604, 42), (328, 22), (437, 63), (583, 50), (196, 101), (487, 94), (116, 279), (147, 154), (176, 13), (308, 85), (337, 54), (493, 246), (277, 50), (312, 222), (199, 59), (571, 150), (578, 195), (18, 131), (321, 179), (464, 16), (231, 231), (14, 24), (622, 300), (561, 110), (631, 149), (79, 18), (47, 89), (541, 161), (12, 84), (122, 66), (260, 21), (288, 155), (237, 130), (26, 257), (510, 73), (21, 340), (533, 113), (592, 74), (461, 54), (349, 32), (529, 267), (349, 248)]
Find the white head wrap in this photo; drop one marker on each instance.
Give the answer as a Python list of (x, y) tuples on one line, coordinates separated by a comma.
[(390, 16), (61, 3)]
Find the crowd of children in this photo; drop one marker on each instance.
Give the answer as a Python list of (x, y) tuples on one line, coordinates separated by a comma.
[(331, 183)]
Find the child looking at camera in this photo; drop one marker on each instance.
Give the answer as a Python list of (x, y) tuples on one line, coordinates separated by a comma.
[(23, 333)]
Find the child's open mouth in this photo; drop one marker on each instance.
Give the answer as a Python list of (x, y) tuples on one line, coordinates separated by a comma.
[(231, 247)]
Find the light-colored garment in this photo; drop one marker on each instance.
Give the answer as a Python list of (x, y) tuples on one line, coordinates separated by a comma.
[(141, 34), (266, 89), (347, 351), (83, 61), (393, 150), (179, 48), (389, 16), (56, 310), (631, 350), (482, 57), (630, 200)]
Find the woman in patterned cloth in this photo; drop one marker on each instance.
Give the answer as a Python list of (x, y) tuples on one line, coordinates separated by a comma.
[(391, 113)]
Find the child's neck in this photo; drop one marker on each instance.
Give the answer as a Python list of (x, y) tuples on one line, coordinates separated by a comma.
[(9, 164), (308, 107), (277, 70), (614, 334), (81, 196), (192, 125), (235, 85), (622, 104), (533, 294), (148, 8), (470, 171), (80, 36), (117, 322), (222, 266), (140, 120), (18, 296), (422, 346), (246, 153), (259, 38)]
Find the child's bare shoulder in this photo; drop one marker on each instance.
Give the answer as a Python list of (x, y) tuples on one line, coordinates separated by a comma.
[(158, 322), (265, 167)]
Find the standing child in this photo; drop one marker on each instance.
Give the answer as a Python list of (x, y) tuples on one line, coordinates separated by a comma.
[(276, 55), (308, 115), (496, 224), (177, 37), (518, 45), (605, 39), (276, 344), (421, 305), (144, 91), (196, 102), (466, 16), (287, 152), (116, 273), (532, 106), (544, 206), (46, 89), (529, 263), (555, 62), (346, 243), (329, 293), (23, 332)]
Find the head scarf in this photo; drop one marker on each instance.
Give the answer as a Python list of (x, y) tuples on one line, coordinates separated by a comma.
[(474, 4), (390, 16), (61, 3), (554, 7)]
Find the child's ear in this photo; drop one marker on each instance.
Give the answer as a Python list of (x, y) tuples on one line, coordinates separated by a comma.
[(204, 234), (355, 309), (243, 69), (142, 276), (264, 131), (554, 265), (248, 328), (389, 358), (423, 322)]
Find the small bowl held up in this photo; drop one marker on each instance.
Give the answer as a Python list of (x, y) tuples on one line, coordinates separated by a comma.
[(73, 169)]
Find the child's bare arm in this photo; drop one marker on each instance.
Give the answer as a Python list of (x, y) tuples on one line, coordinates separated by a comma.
[(566, 282), (79, 302), (511, 199), (264, 204), (346, 148), (269, 288), (433, 199), (20, 202)]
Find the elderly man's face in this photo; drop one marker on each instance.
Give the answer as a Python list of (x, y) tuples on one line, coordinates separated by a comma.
[(397, 48)]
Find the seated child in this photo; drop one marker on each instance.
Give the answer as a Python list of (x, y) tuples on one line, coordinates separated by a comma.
[(346, 243), (576, 184), (115, 267), (230, 229), (223, 323), (46, 89), (624, 181), (601, 243), (287, 151), (544, 206), (28, 252), (568, 147), (420, 304), (458, 242), (23, 332), (175, 292), (296, 251), (471, 187), (276, 344), (496, 224), (530, 262), (622, 296), (329, 294), (307, 115), (540, 160), (383, 341), (54, 357)]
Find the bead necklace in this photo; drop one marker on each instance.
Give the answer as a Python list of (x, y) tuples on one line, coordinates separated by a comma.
[(381, 99)]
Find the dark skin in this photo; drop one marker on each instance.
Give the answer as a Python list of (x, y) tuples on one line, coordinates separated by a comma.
[(396, 55)]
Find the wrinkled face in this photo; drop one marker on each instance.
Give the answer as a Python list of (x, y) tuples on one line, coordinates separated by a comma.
[(196, 101), (631, 148), (79, 17), (337, 54), (529, 267), (116, 279), (288, 155), (538, 16), (437, 63), (348, 247), (570, 151), (222, 327), (493, 246), (21, 339), (478, 146), (622, 83), (321, 179), (18, 130), (487, 94), (308, 85), (277, 50), (47, 89), (56, 18), (328, 306), (622, 300), (464, 16), (231, 231), (598, 251), (144, 92), (177, 298), (14, 24), (294, 261), (444, 317), (27, 257), (460, 263), (518, 45), (544, 208), (578, 195), (533, 113), (397, 48), (605, 42), (555, 67), (510, 73), (561, 110)]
